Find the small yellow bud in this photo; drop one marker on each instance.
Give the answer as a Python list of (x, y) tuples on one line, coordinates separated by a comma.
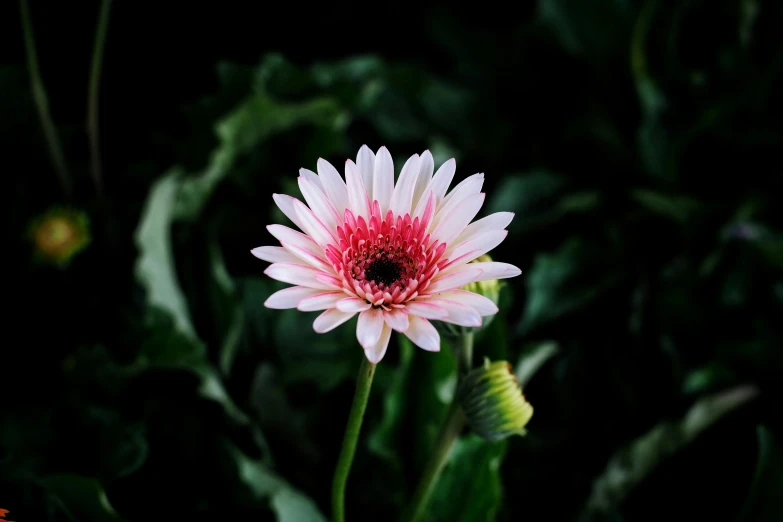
[(492, 401), (59, 234)]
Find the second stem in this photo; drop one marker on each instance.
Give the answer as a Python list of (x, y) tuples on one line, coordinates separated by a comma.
[(450, 429)]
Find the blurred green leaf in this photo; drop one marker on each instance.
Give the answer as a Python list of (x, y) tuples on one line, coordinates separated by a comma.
[(654, 146), (579, 202), (764, 501), (630, 465), (772, 250), (652, 138), (560, 282), (276, 414), (227, 307), (167, 348), (492, 339), (287, 503), (82, 498), (676, 208), (469, 488), (247, 127), (325, 360), (708, 378), (446, 105), (526, 194), (383, 438), (533, 357), (597, 29), (155, 266), (354, 69), (436, 382), (120, 447)]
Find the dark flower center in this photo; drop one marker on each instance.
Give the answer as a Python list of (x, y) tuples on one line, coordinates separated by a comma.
[(383, 271)]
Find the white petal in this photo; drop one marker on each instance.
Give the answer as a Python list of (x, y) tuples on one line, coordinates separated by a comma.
[(274, 254), (289, 297), (300, 275), (334, 186), (330, 319), (352, 304), (456, 221), (423, 334), (476, 246), (320, 301), (319, 204), (459, 277), (313, 177), (470, 186), (426, 205), (288, 236), (358, 200), (329, 279), (300, 254), (425, 175), (383, 179), (478, 302), (365, 161), (442, 179), (376, 352), (286, 205), (397, 318), (496, 221), (402, 196), (370, 327), (459, 313), (312, 226), (495, 270), (426, 310)]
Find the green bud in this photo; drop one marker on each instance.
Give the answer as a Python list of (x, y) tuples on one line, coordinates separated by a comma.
[(489, 289), (492, 401), (59, 234)]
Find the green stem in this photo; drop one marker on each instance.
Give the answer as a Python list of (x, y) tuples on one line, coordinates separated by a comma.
[(42, 102), (92, 96), (464, 354), (449, 431), (363, 385)]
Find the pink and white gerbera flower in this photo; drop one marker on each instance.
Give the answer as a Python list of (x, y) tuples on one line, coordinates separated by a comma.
[(396, 254)]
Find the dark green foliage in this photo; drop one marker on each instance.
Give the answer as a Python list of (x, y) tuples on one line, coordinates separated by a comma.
[(638, 144)]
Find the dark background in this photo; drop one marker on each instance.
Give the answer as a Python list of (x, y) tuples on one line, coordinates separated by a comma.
[(638, 143)]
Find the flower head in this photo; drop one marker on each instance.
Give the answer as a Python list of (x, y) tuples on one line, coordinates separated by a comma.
[(396, 254), (492, 401), (59, 234)]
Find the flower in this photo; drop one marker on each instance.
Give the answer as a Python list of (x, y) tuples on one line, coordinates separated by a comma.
[(59, 234), (396, 254), (492, 401)]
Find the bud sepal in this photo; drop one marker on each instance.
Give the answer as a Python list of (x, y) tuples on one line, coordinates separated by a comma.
[(492, 401)]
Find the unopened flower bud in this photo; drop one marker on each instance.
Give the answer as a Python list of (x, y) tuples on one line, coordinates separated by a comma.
[(59, 234), (492, 401)]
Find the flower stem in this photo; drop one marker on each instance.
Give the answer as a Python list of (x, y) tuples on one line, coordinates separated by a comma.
[(464, 354), (42, 102), (351, 437), (92, 96), (449, 431)]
